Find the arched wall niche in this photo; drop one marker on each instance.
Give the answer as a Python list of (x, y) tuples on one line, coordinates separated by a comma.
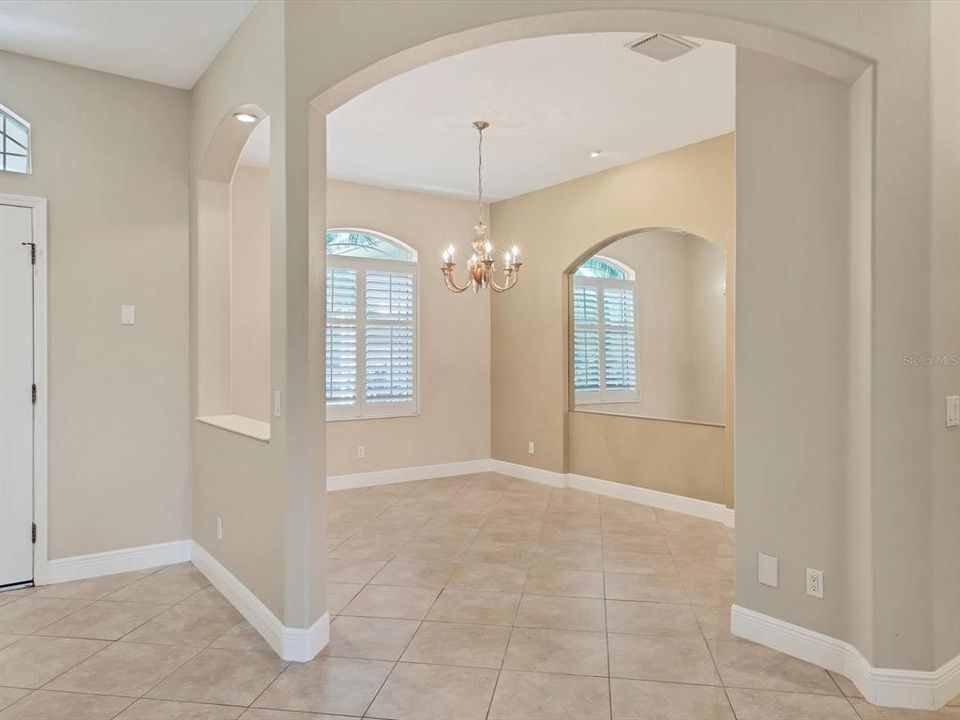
[(221, 283), (648, 302)]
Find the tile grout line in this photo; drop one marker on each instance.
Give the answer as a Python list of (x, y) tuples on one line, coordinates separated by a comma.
[(606, 623), (407, 645)]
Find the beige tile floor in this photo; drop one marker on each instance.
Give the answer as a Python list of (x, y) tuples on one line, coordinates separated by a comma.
[(461, 598)]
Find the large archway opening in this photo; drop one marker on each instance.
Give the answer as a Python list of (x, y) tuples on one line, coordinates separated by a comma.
[(814, 71)]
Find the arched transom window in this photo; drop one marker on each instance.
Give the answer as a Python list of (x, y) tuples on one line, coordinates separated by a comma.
[(604, 332), (371, 325), (14, 142)]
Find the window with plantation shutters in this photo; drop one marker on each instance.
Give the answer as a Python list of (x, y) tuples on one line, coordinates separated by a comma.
[(371, 368), (604, 333)]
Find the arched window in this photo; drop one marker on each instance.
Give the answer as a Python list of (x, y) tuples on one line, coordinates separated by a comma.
[(350, 242), (604, 332), (14, 142), (604, 267), (371, 325)]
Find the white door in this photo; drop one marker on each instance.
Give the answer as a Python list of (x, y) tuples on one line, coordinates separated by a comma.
[(16, 396)]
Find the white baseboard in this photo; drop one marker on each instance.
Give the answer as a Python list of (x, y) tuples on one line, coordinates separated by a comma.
[(423, 472), (296, 644), (654, 498), (881, 686), (80, 567), (526, 472)]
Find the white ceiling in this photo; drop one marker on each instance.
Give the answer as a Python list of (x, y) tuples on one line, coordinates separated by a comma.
[(549, 100), (162, 41)]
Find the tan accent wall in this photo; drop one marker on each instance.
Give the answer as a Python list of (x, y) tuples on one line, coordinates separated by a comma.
[(110, 156), (454, 353), (690, 189)]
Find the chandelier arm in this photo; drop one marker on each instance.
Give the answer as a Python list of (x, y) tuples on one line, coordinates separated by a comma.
[(451, 285), (512, 279)]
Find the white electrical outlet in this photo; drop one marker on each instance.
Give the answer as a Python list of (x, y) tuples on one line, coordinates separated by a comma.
[(219, 529), (277, 404), (953, 411), (361, 451), (128, 315), (815, 583), (768, 570), (531, 449)]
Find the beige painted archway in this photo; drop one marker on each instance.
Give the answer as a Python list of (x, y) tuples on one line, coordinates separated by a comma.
[(834, 68), (324, 67)]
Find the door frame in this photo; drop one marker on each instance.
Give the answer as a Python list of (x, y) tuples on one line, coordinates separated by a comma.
[(38, 210)]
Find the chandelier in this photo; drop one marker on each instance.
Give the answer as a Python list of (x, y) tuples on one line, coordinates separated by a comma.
[(481, 269)]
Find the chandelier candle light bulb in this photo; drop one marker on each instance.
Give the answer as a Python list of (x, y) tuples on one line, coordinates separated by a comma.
[(480, 267)]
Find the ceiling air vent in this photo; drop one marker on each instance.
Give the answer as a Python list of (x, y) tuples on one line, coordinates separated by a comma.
[(662, 47)]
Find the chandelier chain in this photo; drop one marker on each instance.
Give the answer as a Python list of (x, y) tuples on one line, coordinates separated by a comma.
[(480, 173)]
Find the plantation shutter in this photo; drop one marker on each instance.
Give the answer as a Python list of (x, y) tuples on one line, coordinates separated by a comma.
[(371, 338), (389, 363), (341, 336), (586, 339), (604, 340), (619, 336)]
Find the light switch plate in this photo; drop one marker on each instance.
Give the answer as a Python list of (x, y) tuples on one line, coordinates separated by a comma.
[(128, 315), (953, 411), (768, 570)]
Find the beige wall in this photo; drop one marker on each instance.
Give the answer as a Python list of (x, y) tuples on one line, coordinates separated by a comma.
[(454, 420), (109, 155), (691, 189), (792, 154), (945, 265), (250, 292)]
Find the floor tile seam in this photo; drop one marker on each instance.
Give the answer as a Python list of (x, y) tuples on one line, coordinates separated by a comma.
[(606, 622), (716, 667), (818, 693), (34, 691), (405, 647), (286, 666), (120, 640), (178, 668), (110, 643), (54, 622), (71, 667)]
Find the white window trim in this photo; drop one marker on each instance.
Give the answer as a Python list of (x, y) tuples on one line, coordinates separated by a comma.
[(7, 111), (360, 409), (598, 397)]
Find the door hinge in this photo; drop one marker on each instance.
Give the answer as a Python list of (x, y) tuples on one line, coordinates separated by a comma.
[(33, 533), (33, 393), (33, 252)]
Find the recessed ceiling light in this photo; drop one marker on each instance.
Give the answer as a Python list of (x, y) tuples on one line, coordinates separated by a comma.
[(596, 153), (245, 117)]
